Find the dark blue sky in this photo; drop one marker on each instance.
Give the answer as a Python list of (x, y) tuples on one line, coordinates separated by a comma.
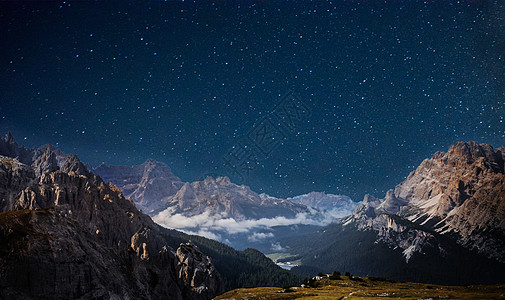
[(386, 84)]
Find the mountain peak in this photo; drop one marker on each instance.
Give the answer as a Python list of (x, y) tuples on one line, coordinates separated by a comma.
[(209, 179), (223, 180), (151, 164), (9, 148), (9, 138), (74, 164), (472, 150), (459, 192), (151, 161)]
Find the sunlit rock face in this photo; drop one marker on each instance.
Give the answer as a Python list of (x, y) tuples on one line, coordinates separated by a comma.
[(459, 194)]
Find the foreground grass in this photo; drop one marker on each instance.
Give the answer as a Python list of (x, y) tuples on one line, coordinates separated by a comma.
[(366, 288)]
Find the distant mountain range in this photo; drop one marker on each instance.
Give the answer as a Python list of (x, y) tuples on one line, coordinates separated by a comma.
[(234, 214), (65, 233), (450, 209), (445, 223), (221, 197), (219, 209)]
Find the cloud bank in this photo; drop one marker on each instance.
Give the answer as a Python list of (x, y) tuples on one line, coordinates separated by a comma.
[(223, 228), (207, 225), (259, 236)]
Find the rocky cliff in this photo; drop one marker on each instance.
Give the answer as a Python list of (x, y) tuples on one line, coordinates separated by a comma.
[(65, 233)]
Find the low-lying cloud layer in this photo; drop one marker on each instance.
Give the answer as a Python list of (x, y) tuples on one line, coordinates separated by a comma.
[(260, 236), (212, 226)]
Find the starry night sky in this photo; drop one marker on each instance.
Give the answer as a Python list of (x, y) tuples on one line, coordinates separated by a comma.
[(387, 84)]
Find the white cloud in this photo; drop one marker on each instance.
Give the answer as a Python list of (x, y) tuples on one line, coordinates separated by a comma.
[(277, 247), (204, 233), (212, 226), (259, 236), (214, 223)]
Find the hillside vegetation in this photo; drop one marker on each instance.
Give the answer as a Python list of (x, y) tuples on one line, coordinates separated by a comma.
[(247, 268), (346, 287)]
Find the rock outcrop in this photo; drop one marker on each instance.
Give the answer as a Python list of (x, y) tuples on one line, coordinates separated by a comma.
[(46, 162), (14, 177), (67, 234), (196, 271)]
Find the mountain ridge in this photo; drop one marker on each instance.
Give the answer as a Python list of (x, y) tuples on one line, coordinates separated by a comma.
[(220, 209), (451, 207), (240, 217), (446, 194)]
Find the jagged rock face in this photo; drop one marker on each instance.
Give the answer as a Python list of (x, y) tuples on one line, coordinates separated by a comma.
[(460, 194), (45, 163), (14, 177), (43, 159), (9, 148), (196, 270), (453, 177), (221, 197), (42, 257), (46, 255), (151, 184), (74, 165), (67, 234), (61, 157)]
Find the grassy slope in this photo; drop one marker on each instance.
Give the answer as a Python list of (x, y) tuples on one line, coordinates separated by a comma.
[(370, 289)]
